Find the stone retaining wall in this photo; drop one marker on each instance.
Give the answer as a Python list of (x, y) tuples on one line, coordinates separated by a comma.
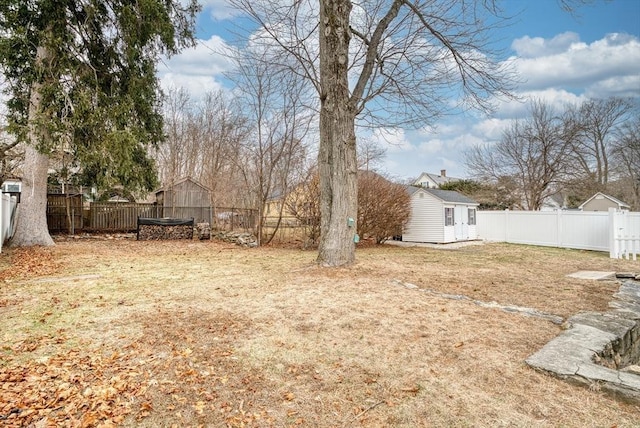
[(599, 349), (244, 239)]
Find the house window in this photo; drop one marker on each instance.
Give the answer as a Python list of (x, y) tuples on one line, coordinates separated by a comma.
[(448, 216), (472, 217)]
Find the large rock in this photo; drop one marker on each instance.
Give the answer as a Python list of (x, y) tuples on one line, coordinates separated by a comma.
[(204, 231)]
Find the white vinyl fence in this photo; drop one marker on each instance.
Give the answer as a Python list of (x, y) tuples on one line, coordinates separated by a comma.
[(625, 235), (617, 232), (8, 205)]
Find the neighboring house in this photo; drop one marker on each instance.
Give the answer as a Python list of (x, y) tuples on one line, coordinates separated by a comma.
[(12, 186), (602, 202), (277, 205), (554, 202), (440, 216), (185, 198), (295, 206), (433, 181)]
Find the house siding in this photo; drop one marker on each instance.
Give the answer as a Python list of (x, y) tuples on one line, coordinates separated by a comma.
[(599, 205), (426, 223), (185, 199)]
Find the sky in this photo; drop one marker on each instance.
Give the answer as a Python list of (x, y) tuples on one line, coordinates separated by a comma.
[(560, 58)]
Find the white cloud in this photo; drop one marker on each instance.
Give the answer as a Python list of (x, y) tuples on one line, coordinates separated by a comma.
[(625, 86), (393, 139), (489, 129), (217, 9), (533, 47), (200, 69), (196, 86), (431, 147), (556, 98), (578, 65)]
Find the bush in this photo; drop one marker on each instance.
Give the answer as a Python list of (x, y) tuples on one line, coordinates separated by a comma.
[(383, 207)]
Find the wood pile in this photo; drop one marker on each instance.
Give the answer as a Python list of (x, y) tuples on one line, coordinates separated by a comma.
[(160, 232)]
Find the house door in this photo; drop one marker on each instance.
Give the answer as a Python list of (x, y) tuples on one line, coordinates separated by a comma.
[(461, 223)]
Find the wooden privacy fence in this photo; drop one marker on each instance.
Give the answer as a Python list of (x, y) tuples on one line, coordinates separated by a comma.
[(617, 232), (123, 216), (64, 213), (120, 216)]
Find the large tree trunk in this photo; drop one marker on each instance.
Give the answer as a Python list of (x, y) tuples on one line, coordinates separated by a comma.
[(31, 217), (337, 164), (31, 227)]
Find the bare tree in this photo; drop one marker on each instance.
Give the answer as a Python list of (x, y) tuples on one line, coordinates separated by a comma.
[(384, 61), (370, 154), (534, 152), (384, 207), (304, 203), (203, 141), (274, 104), (597, 121), (222, 129), (171, 154), (626, 153)]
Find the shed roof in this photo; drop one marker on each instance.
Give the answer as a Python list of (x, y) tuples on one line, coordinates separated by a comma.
[(445, 195), (180, 181)]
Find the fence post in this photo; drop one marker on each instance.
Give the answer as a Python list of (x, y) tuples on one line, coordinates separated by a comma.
[(506, 225), (613, 227), (2, 221), (559, 228)]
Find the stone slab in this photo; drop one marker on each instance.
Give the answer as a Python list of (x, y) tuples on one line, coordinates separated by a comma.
[(608, 322), (592, 275), (571, 355), (575, 347)]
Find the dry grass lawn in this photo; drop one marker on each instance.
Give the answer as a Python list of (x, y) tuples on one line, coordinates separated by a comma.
[(100, 332)]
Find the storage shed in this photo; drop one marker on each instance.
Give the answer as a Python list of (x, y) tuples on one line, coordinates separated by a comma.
[(185, 198), (440, 216)]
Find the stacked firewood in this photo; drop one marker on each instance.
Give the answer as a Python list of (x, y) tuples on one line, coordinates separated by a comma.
[(158, 232)]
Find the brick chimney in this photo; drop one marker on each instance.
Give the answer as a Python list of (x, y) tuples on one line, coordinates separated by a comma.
[(443, 172)]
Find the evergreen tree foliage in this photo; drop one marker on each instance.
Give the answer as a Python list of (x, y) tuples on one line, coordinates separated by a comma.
[(99, 94)]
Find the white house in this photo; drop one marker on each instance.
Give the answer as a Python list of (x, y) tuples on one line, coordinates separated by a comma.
[(440, 216), (433, 181)]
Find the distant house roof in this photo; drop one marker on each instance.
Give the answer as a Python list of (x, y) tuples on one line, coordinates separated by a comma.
[(444, 195), (437, 179), (600, 195)]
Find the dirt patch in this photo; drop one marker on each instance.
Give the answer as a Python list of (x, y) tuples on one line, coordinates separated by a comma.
[(199, 333)]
